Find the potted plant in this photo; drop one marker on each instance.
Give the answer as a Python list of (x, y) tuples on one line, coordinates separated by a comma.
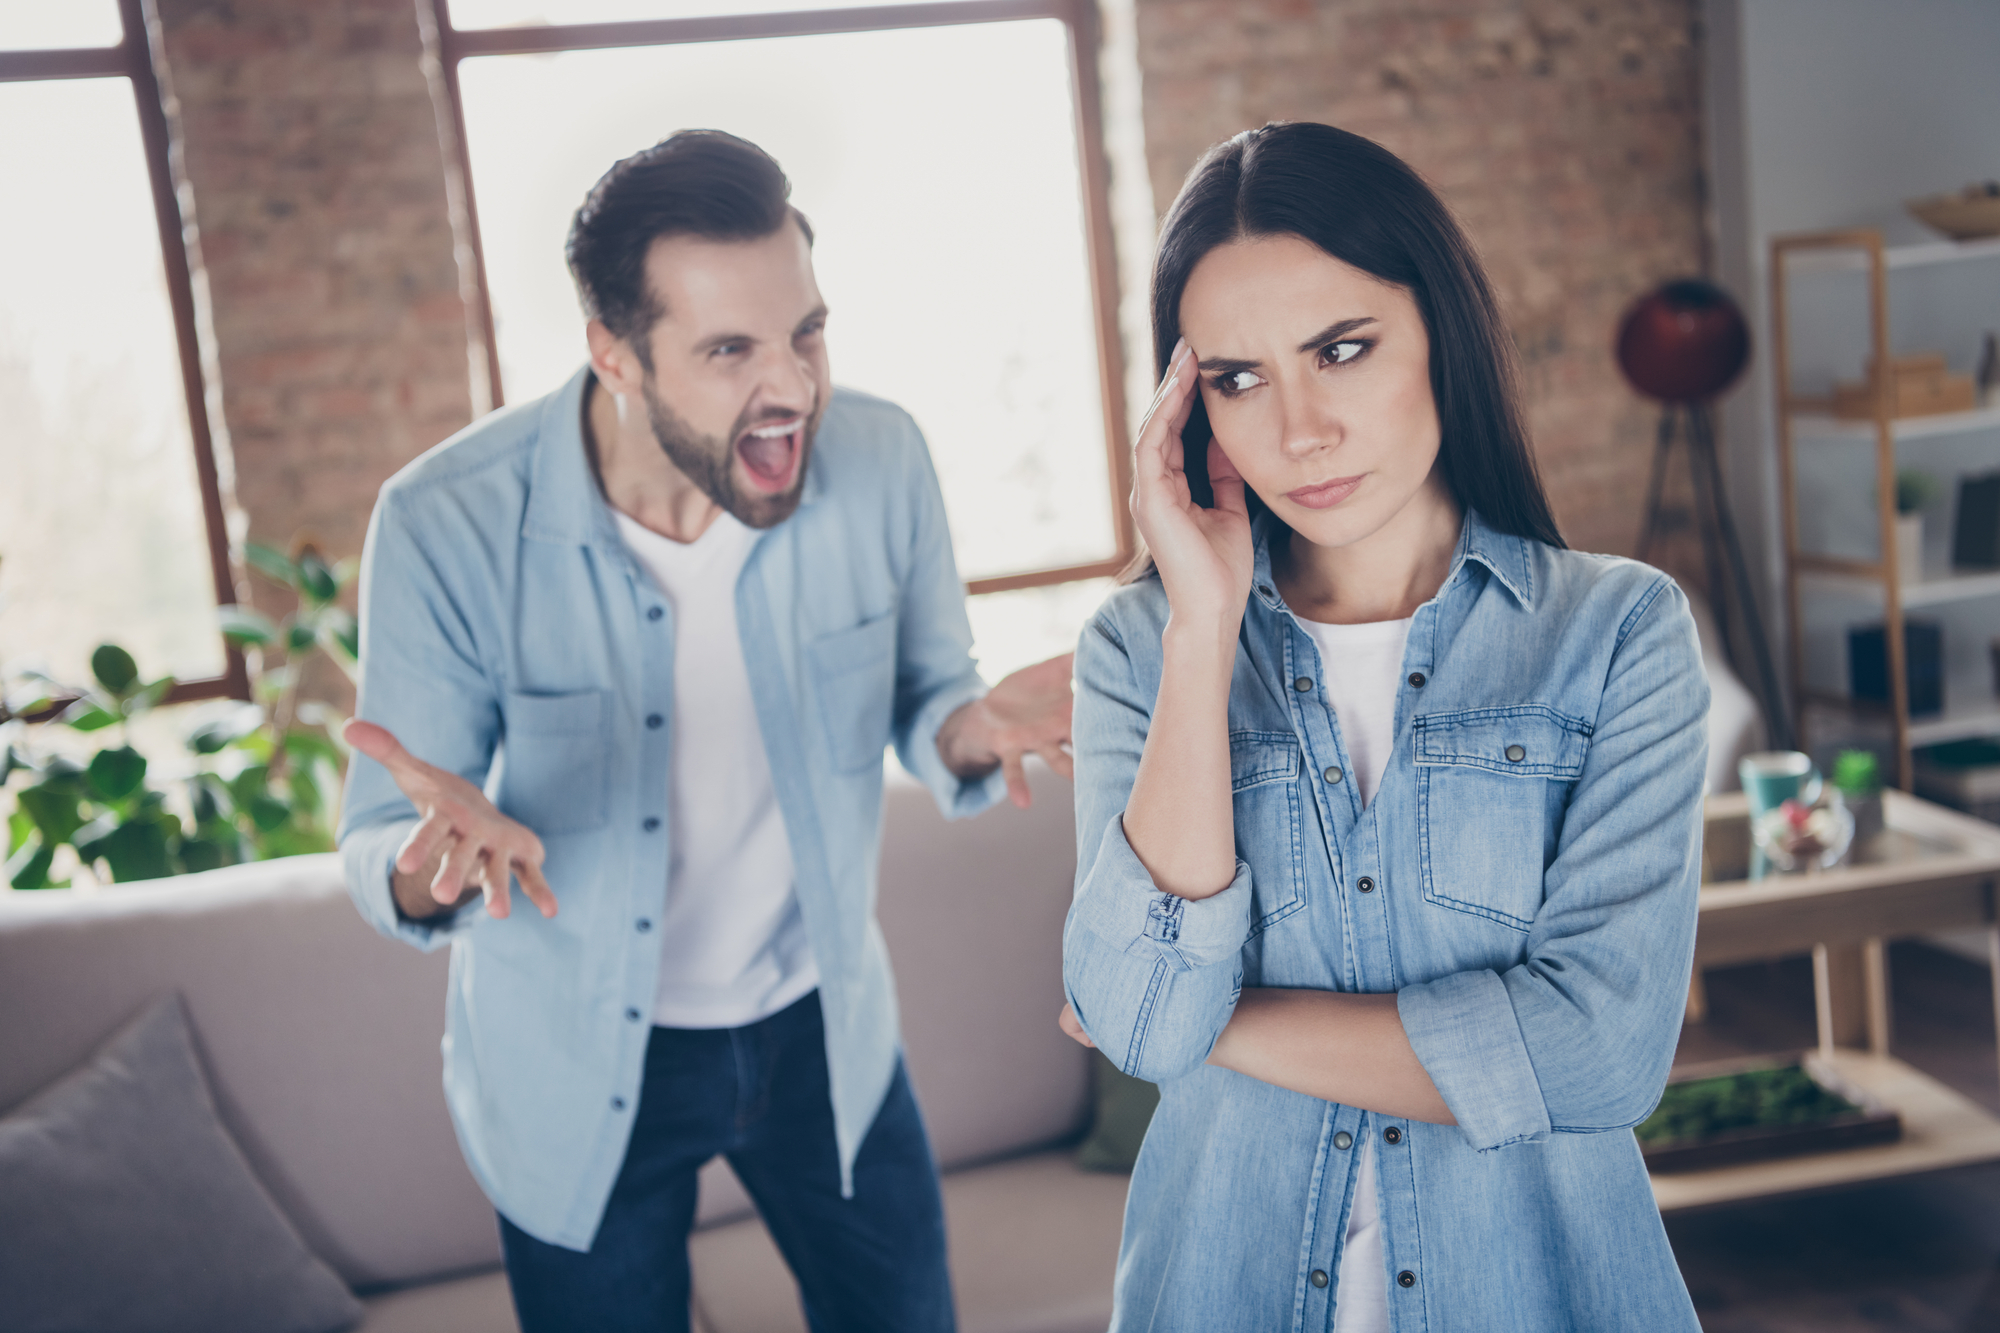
[(1914, 490)]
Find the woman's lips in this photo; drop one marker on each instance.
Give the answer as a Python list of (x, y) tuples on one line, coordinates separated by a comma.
[(770, 454), (1326, 494)]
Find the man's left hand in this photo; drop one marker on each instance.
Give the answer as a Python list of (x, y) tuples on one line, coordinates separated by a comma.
[(1027, 713)]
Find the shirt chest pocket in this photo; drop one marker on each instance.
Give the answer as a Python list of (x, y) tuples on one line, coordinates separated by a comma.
[(1264, 798), (1491, 784), (556, 775), (854, 680)]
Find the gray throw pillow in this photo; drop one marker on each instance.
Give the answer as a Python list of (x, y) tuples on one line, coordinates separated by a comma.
[(125, 1205), (1124, 1109)]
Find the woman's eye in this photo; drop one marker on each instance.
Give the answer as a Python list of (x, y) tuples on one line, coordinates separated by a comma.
[(1237, 381), (1341, 353)]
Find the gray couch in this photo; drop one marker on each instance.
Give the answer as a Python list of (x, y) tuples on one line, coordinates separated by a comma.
[(321, 1041)]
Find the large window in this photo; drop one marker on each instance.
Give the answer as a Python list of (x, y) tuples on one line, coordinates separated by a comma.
[(111, 524), (948, 157)]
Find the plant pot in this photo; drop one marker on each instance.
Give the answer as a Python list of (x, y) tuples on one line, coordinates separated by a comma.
[(1910, 547)]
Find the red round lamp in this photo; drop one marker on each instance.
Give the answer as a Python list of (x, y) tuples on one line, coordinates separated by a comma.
[(1684, 342)]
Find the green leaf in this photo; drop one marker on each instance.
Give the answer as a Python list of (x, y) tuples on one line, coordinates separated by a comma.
[(116, 774), (316, 580), (340, 635), (56, 812), (273, 564), (137, 851), (249, 784), (267, 812), (246, 626), (19, 829), (28, 867), (208, 799), (219, 732), (310, 745), (205, 853), (149, 697), (11, 759), (88, 715), (114, 668), (89, 840), (299, 635)]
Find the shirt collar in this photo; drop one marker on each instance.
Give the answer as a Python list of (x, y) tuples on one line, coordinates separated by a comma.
[(565, 503), (1503, 554)]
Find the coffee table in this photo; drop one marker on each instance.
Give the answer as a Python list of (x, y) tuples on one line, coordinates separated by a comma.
[(1930, 869)]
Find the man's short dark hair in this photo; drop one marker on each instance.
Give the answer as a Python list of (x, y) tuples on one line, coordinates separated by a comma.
[(692, 183)]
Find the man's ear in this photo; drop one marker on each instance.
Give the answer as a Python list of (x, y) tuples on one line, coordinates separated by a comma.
[(613, 358)]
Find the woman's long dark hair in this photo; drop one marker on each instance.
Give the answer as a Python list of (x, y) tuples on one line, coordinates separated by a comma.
[(1363, 205)]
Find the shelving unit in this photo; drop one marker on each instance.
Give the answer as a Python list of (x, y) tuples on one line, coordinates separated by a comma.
[(1808, 420)]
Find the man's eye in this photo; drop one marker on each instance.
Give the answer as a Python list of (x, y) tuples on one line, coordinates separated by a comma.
[(1341, 353), (1237, 381)]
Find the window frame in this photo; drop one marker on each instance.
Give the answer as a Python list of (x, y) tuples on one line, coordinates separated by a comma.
[(132, 59), (445, 47)]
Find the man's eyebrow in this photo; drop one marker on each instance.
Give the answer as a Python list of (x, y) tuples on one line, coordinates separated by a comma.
[(715, 340), (1221, 365), (817, 313)]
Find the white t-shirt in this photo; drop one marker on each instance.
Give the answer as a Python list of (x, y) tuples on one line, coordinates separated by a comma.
[(733, 946), (1362, 665)]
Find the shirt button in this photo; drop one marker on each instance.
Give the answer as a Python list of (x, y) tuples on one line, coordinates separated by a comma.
[(651, 823), (1303, 684), (654, 613), (1393, 1135), (645, 924), (655, 721), (1406, 1278), (1334, 774), (1343, 1140), (631, 1015), (1416, 680), (618, 1104), (1365, 884), (1515, 754), (1319, 1277)]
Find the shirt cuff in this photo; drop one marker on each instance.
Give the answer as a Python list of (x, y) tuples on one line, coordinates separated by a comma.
[(1464, 1032), (369, 858), (1119, 904), (957, 797)]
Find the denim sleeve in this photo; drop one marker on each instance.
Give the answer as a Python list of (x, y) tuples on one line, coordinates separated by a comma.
[(420, 678), (1578, 1037), (935, 673), (1153, 977)]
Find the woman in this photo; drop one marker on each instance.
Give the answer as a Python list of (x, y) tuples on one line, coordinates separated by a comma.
[(1389, 806)]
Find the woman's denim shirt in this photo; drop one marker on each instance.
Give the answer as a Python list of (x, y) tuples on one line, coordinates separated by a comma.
[(1524, 881)]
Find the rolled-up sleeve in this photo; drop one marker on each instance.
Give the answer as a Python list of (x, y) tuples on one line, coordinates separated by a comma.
[(935, 671), (420, 678), (1579, 1036), (1153, 977)]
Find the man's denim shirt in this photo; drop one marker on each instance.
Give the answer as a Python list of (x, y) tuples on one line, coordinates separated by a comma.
[(508, 636), (1524, 881)]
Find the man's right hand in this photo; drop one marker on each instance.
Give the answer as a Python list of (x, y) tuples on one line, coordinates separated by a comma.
[(473, 845)]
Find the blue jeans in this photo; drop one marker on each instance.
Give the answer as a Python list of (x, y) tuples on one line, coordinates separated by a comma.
[(757, 1095)]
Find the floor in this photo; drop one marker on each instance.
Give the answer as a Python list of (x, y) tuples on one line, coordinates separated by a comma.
[(1918, 1254)]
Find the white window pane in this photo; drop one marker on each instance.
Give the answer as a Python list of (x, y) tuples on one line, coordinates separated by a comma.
[(469, 14), (939, 168), (101, 531), (1011, 630), (39, 25)]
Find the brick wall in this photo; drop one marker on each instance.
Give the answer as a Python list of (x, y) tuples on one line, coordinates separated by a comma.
[(1565, 134), (310, 149)]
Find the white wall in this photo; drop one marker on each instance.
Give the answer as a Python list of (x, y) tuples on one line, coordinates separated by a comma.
[(1825, 114)]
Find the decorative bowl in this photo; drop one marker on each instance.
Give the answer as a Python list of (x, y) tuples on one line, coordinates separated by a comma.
[(1964, 215)]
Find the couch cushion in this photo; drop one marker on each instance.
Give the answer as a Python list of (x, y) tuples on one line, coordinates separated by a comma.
[(125, 1207), (319, 1036), (1034, 1246), (479, 1303)]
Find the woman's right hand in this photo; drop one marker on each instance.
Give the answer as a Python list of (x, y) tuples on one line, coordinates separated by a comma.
[(1204, 555)]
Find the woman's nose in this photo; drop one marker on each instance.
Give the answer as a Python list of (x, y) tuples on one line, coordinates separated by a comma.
[(1306, 423)]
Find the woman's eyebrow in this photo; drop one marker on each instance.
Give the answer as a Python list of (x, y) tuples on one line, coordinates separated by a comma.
[(1221, 365)]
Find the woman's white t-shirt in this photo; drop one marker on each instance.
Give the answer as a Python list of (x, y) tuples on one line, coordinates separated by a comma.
[(1362, 665)]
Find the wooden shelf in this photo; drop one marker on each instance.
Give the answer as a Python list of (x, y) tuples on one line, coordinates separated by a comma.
[(1941, 1130), (1824, 426), (1980, 717), (1924, 254), (1938, 589)]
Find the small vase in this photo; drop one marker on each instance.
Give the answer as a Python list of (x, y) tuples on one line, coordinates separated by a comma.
[(1910, 547)]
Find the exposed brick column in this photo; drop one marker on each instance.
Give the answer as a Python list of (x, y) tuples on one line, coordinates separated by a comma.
[(310, 147), (1565, 135)]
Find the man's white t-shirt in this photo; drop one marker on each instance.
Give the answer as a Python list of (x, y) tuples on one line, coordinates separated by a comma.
[(1362, 665), (733, 946)]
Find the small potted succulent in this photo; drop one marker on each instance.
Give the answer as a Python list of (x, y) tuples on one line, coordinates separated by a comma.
[(1914, 490)]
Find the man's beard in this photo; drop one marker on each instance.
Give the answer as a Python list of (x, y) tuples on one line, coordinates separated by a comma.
[(710, 463)]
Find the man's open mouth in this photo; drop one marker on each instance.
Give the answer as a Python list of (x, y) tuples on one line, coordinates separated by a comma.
[(771, 454)]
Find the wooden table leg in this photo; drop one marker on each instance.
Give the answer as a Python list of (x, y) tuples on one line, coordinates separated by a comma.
[(1841, 999)]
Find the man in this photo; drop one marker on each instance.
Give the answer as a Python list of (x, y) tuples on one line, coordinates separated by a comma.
[(649, 637)]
